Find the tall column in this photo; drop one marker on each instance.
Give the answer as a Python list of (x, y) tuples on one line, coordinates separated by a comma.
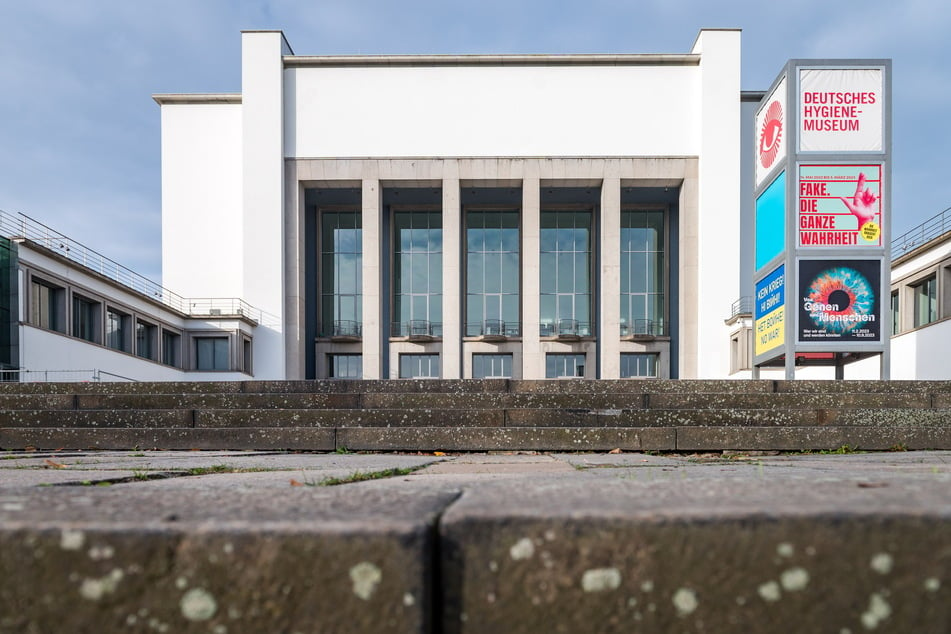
[(533, 363), (262, 123), (372, 329), (609, 287), (451, 288)]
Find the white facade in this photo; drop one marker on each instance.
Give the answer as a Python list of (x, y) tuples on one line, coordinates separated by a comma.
[(617, 127)]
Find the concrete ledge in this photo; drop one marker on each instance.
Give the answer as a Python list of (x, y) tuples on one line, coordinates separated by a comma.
[(301, 438), (511, 438), (810, 438)]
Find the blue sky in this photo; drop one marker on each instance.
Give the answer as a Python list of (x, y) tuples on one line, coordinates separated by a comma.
[(79, 132)]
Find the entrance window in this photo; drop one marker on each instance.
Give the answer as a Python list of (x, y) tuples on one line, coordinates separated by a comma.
[(491, 366), (565, 273), (341, 279), (564, 365), (638, 365), (419, 366), (492, 273), (417, 274), (345, 366), (642, 272)]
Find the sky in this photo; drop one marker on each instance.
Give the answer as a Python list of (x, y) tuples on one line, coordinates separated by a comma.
[(80, 134)]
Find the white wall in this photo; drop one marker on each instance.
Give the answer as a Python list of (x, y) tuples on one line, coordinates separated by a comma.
[(462, 111), (202, 250)]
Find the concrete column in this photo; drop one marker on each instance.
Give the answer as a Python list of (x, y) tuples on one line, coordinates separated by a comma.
[(372, 328), (533, 362), (262, 122), (609, 287), (451, 367)]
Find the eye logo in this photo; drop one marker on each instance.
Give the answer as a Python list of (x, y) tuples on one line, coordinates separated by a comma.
[(771, 135)]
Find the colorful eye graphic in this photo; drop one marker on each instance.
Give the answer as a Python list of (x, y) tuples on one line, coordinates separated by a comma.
[(838, 298), (771, 134)]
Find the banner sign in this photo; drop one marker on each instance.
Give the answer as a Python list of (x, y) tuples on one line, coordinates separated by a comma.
[(840, 205), (839, 301), (840, 110), (769, 313), (770, 222), (771, 132)]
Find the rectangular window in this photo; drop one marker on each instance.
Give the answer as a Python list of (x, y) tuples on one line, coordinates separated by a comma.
[(491, 366), (211, 354), (145, 340), (86, 319), (926, 302), (492, 273), (419, 366), (565, 273), (638, 365), (564, 365), (345, 366), (46, 306), (118, 330), (171, 348), (643, 288), (341, 278), (246, 348), (896, 315)]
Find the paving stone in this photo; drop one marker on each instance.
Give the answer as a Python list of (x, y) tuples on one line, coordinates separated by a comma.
[(302, 438)]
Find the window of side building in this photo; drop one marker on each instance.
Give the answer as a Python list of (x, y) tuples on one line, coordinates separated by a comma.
[(565, 272), (118, 330), (638, 365), (341, 279), (896, 314), (146, 336), (171, 348), (926, 302), (212, 354), (643, 287), (417, 273), (345, 366), (559, 365), (492, 273), (47, 305), (86, 324)]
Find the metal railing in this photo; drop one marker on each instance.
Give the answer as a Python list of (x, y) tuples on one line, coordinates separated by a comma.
[(923, 233), (415, 328), (493, 328), (742, 306), (21, 226), (63, 376), (347, 328), (645, 328), (565, 328)]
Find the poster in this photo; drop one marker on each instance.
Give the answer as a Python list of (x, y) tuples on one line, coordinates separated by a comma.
[(840, 110), (771, 222), (839, 301), (769, 312), (771, 132), (840, 206)]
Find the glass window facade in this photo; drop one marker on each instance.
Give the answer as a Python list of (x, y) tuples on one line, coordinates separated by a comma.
[(341, 279), (638, 365), (86, 319), (492, 273), (171, 349), (643, 288), (118, 330), (145, 340), (345, 366), (565, 273), (46, 306), (417, 273), (419, 366), (896, 315), (211, 353), (561, 365), (491, 366), (926, 302)]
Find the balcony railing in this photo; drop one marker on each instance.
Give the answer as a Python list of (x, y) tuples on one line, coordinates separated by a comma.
[(347, 328), (644, 328), (742, 306), (565, 328), (416, 328), (493, 328), (923, 233), (23, 227)]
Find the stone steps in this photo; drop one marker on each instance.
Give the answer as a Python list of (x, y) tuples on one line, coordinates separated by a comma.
[(478, 415)]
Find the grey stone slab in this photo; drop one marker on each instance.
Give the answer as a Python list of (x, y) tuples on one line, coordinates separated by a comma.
[(302, 438), (923, 387), (898, 417), (745, 553), (791, 400), (219, 401), (311, 559), (97, 418), (15, 478), (348, 418), (509, 438), (606, 386), (586, 417), (621, 460), (809, 438)]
